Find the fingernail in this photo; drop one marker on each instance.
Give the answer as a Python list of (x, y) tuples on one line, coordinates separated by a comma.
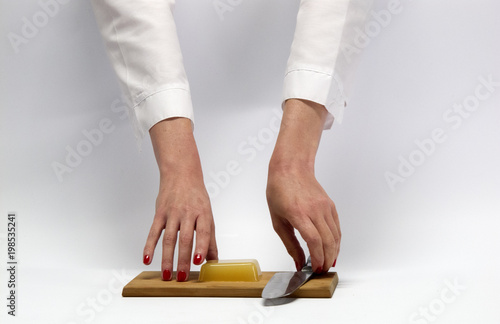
[(334, 262), (167, 275), (181, 276), (297, 266), (319, 270), (146, 259), (197, 259)]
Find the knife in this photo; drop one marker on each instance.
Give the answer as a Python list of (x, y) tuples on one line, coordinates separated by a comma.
[(285, 283)]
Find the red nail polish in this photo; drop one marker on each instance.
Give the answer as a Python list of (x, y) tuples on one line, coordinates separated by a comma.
[(146, 259), (197, 259), (167, 275), (297, 266), (181, 276), (334, 262), (319, 270)]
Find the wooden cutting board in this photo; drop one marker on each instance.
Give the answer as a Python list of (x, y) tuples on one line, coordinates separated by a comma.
[(150, 284)]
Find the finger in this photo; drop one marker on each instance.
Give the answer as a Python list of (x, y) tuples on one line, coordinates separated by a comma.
[(203, 235), (287, 235), (337, 238), (338, 232), (335, 215), (168, 248), (327, 239), (330, 220), (314, 242), (186, 234), (212, 253), (153, 237)]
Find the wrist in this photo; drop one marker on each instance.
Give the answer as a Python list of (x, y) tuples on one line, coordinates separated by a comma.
[(290, 165), (290, 158), (299, 136), (175, 148), (185, 170)]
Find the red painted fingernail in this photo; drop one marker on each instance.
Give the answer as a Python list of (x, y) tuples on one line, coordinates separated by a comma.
[(181, 276), (297, 266), (319, 270), (167, 275), (197, 259), (334, 262), (146, 259)]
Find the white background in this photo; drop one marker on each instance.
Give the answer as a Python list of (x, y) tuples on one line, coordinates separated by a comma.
[(401, 248)]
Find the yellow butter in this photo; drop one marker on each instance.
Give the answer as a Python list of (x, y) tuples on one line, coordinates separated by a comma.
[(230, 270)]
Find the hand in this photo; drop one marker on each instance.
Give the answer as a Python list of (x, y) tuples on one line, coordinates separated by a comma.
[(182, 205), (295, 198)]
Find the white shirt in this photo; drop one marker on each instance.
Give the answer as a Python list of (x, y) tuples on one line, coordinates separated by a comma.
[(141, 41)]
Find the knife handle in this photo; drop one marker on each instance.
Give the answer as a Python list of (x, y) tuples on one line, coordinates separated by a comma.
[(308, 266)]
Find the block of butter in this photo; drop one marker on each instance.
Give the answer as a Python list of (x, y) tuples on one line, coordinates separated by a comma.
[(230, 270)]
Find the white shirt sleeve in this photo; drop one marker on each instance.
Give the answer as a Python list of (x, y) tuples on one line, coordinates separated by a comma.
[(141, 41), (310, 72)]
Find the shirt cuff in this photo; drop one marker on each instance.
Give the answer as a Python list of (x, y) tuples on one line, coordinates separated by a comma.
[(161, 105), (320, 87)]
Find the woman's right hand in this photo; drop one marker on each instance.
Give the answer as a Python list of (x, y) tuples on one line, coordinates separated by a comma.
[(295, 198), (183, 204)]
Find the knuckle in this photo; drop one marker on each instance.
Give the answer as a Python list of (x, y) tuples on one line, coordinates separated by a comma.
[(331, 244), (282, 228), (277, 227), (169, 239), (313, 240), (188, 211), (298, 211), (185, 239), (322, 203), (183, 263), (154, 231), (166, 263), (160, 214), (213, 251), (291, 250), (173, 211), (293, 209), (203, 232)]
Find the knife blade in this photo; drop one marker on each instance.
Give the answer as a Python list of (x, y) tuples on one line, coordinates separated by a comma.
[(285, 283)]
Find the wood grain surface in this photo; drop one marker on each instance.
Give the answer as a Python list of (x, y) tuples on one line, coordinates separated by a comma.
[(150, 284)]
